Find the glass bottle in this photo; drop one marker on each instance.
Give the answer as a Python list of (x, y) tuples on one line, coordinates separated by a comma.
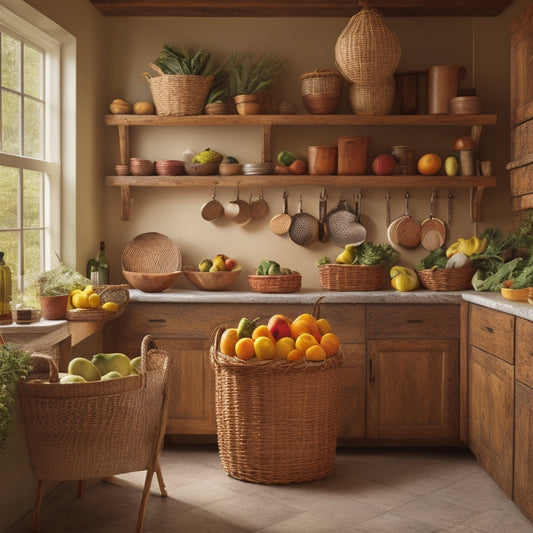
[(98, 268), (5, 292)]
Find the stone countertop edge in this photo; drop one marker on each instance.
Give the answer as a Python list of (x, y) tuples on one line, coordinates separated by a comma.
[(496, 301)]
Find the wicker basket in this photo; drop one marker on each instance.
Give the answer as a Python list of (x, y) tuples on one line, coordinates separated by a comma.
[(275, 284), (321, 81), (179, 95), (447, 279), (276, 419), (108, 293), (367, 50), (375, 98), (151, 253), (97, 429), (334, 277)]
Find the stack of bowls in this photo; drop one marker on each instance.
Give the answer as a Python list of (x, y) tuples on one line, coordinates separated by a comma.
[(256, 168), (169, 167), (141, 167)]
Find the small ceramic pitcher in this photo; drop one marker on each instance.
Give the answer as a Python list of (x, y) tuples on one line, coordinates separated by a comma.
[(443, 84)]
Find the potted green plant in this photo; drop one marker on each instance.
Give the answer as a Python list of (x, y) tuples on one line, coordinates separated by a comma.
[(216, 102), (250, 77), (53, 288), (14, 365)]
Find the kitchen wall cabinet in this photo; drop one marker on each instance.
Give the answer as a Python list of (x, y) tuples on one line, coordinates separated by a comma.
[(265, 122), (491, 393), (523, 437), (521, 166), (413, 373)]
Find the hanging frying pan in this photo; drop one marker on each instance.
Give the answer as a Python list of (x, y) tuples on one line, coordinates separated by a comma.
[(405, 230), (433, 229), (343, 227), (304, 227)]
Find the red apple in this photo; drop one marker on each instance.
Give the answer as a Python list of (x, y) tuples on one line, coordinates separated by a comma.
[(383, 164), (230, 263), (279, 326)]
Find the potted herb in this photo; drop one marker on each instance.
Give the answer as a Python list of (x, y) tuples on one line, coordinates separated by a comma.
[(53, 288), (249, 78), (216, 102), (14, 365)]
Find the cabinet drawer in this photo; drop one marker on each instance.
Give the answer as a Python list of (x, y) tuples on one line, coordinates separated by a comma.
[(492, 331), (524, 351), (413, 321)]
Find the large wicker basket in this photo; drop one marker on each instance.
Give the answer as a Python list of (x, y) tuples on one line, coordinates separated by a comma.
[(275, 284), (97, 429), (276, 419), (447, 279), (336, 277), (179, 95)]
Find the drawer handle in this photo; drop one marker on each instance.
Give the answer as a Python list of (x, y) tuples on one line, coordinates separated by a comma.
[(415, 321), (158, 320), (488, 329)]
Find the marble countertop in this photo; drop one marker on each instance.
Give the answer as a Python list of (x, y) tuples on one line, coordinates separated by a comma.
[(494, 300)]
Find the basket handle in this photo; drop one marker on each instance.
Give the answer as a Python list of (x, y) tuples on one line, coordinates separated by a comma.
[(155, 67), (214, 342), (147, 344), (53, 376), (316, 308)]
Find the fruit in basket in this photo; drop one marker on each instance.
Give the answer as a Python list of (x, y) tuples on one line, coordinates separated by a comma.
[(219, 263), (315, 353), (279, 326), (72, 378), (244, 349), (312, 323), (262, 331), (305, 341), (110, 306), (205, 265), (331, 344), (246, 327), (284, 347), (323, 326), (135, 365), (207, 156), (228, 340), (111, 375), (347, 256), (80, 366), (264, 348), (106, 362)]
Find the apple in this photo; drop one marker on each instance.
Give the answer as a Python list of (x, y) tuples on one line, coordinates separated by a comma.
[(230, 263), (383, 164), (279, 326)]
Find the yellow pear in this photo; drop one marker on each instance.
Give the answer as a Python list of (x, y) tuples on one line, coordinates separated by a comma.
[(111, 375), (106, 362), (80, 366), (135, 364), (71, 378)]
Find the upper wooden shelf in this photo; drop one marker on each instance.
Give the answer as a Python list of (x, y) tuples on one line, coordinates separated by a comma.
[(302, 120), (299, 8)]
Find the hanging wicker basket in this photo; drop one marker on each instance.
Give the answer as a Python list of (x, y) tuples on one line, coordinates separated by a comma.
[(376, 98), (367, 50)]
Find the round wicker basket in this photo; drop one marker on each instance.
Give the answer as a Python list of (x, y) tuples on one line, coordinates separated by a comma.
[(376, 98), (334, 277), (447, 279), (367, 50), (151, 252), (275, 284)]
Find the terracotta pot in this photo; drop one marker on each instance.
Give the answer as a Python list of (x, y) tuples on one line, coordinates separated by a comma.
[(249, 104), (352, 155), (54, 307), (216, 108), (322, 160)]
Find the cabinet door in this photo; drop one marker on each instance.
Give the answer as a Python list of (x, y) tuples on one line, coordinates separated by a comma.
[(491, 415), (413, 390), (191, 409), (352, 404), (523, 459)]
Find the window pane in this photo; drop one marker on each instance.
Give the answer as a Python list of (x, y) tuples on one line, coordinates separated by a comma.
[(32, 255), (33, 119), (10, 62), (32, 199), (10, 123), (10, 194), (33, 61)]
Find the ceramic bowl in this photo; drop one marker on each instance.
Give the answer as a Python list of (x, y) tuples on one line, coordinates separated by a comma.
[(229, 169), (201, 169), (150, 282), (321, 104), (211, 281)]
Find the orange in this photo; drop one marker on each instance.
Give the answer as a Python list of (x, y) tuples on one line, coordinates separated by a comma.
[(244, 348), (331, 344), (323, 326), (264, 348), (308, 317), (228, 340), (283, 347), (300, 326), (429, 164), (295, 355), (305, 340), (262, 331), (315, 353)]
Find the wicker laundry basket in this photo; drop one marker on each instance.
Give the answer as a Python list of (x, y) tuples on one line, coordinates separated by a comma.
[(276, 419), (97, 429)]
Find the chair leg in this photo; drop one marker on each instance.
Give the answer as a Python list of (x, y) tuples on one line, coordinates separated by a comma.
[(144, 500), (160, 479), (37, 506)]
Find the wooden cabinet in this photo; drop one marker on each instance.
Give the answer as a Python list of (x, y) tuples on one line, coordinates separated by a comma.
[(491, 393), (521, 166), (413, 374), (523, 436), (265, 123)]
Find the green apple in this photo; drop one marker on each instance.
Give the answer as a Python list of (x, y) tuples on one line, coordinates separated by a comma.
[(80, 366), (106, 362)]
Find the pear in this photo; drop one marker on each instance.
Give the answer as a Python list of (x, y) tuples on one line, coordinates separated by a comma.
[(347, 256), (205, 265), (135, 364), (80, 366), (71, 378), (111, 375), (106, 362)]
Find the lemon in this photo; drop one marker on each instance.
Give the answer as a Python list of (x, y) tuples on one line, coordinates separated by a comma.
[(80, 300), (88, 290), (110, 306), (93, 300), (450, 166)]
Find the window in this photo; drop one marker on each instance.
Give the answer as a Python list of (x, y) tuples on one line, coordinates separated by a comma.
[(29, 147)]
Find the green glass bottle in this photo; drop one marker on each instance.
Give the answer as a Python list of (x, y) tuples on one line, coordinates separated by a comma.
[(5, 292), (103, 266)]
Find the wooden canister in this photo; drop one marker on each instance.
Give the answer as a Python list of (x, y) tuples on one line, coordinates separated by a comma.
[(322, 160), (405, 155), (443, 84), (352, 155)]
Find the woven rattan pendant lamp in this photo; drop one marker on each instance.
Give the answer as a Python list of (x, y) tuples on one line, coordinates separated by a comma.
[(367, 53)]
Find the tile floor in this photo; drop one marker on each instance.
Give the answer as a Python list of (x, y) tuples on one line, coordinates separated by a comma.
[(371, 490)]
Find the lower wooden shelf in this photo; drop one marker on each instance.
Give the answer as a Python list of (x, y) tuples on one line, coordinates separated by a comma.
[(475, 183)]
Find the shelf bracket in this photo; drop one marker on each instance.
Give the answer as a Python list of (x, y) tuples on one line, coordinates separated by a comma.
[(125, 195), (476, 195), (124, 144)]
